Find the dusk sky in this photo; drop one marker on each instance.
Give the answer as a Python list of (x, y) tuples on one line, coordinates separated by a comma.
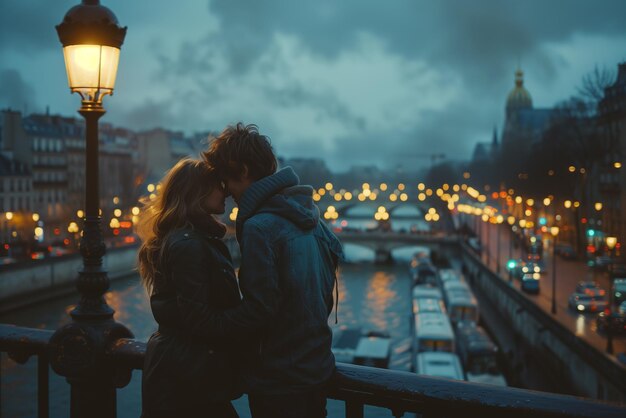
[(352, 81)]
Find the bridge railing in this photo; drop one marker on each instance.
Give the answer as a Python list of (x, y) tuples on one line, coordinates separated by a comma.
[(357, 386)]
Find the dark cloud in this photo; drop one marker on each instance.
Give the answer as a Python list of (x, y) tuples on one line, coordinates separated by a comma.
[(326, 103), (488, 35), (28, 25), (148, 115), (15, 92)]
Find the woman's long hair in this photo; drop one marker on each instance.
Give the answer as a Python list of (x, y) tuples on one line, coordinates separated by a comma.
[(180, 202)]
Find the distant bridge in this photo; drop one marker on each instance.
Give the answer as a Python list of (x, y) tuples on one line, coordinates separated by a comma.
[(383, 243)]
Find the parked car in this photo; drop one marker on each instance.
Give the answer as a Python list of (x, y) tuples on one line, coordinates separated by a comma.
[(530, 282), (531, 267), (581, 302), (590, 288), (614, 319)]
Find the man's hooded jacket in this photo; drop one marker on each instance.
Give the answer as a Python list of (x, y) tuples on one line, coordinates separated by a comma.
[(287, 276)]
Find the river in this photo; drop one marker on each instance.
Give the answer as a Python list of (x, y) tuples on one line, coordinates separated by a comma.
[(371, 296)]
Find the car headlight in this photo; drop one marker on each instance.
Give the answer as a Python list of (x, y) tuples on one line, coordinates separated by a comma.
[(537, 269), (581, 307), (525, 269)]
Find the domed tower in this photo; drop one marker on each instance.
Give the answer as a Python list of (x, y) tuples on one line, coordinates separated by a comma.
[(519, 98)]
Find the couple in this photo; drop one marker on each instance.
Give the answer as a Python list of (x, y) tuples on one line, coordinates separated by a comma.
[(267, 335)]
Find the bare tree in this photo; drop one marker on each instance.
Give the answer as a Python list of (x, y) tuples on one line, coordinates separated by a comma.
[(594, 83)]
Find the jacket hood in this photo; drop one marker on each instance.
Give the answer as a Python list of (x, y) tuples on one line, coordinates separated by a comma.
[(282, 195)]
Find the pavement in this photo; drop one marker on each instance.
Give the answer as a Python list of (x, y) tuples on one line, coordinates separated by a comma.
[(568, 274)]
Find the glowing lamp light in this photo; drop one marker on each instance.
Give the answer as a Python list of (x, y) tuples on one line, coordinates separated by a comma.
[(611, 242), (554, 231), (542, 221), (8, 215), (35, 217), (91, 39), (135, 211), (598, 206)]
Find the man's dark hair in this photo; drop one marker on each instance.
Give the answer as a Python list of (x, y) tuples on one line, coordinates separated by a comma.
[(239, 147)]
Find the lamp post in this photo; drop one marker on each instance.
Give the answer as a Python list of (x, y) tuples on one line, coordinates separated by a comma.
[(91, 39), (499, 221), (511, 221), (555, 232), (611, 242)]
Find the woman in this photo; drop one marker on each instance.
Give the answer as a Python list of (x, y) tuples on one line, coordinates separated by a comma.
[(186, 269)]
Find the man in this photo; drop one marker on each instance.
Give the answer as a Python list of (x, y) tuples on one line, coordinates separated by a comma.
[(288, 271)]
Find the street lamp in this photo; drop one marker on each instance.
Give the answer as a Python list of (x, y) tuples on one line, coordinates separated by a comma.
[(511, 222), (499, 220), (91, 39), (555, 232), (611, 242)]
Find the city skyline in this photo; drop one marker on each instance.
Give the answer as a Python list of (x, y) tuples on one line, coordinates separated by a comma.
[(345, 82)]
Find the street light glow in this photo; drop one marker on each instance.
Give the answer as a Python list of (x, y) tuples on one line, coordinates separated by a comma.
[(611, 242)]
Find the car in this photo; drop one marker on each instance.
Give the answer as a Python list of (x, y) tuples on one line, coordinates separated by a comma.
[(531, 267), (614, 319), (622, 307), (584, 303), (590, 288), (530, 282)]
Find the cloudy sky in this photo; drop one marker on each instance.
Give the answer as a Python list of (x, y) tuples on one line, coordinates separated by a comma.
[(354, 81)]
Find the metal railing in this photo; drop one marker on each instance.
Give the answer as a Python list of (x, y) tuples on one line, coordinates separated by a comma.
[(357, 386)]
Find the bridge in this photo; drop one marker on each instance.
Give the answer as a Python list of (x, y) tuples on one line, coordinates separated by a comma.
[(384, 242), (357, 386)]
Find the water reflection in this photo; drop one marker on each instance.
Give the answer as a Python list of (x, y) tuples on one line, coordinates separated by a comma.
[(379, 297), (580, 326)]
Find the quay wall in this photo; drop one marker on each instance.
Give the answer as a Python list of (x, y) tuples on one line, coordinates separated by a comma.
[(542, 354), (35, 281), (32, 282)]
